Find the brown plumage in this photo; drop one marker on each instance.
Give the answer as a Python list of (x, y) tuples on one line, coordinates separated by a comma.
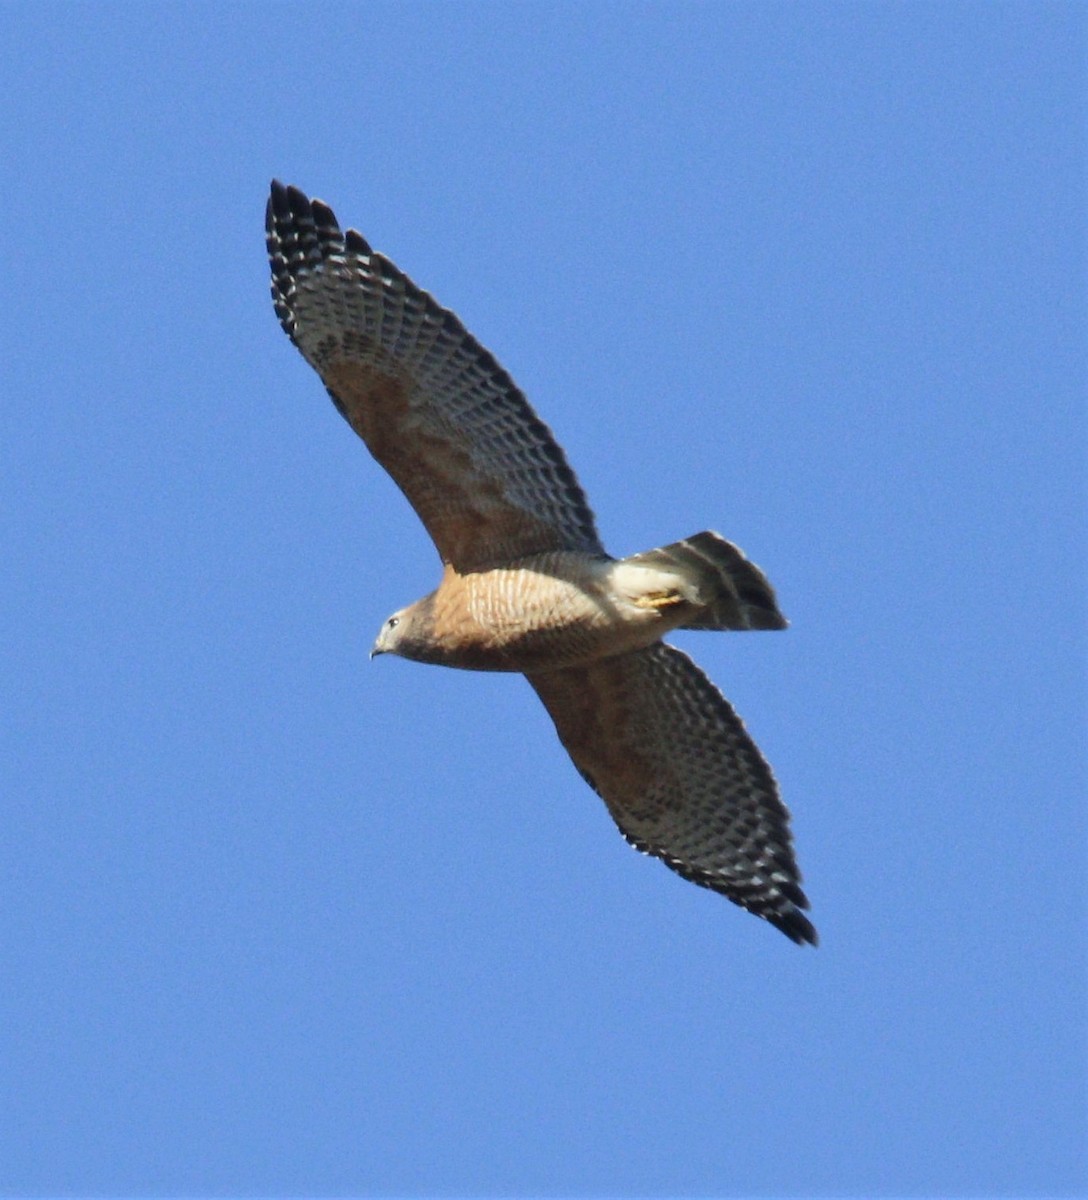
[(526, 584)]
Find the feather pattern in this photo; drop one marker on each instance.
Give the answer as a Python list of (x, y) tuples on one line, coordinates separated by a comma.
[(481, 469), (681, 777)]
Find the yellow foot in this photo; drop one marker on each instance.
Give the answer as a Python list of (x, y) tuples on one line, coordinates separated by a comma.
[(659, 600)]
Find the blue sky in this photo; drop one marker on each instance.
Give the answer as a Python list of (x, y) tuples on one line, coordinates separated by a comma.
[(278, 920)]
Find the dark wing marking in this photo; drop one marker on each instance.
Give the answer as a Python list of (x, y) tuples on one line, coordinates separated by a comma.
[(681, 777), (436, 410)]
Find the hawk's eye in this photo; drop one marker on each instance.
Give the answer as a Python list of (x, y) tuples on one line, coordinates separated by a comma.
[(392, 623)]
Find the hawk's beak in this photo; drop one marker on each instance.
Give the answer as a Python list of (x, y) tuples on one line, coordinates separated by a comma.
[(375, 650)]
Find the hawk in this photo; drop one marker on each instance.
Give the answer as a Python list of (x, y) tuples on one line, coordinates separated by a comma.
[(527, 586)]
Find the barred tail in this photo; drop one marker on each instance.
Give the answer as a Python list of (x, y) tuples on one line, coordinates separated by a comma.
[(736, 591)]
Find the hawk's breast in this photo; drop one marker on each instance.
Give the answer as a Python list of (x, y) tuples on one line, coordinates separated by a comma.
[(548, 611)]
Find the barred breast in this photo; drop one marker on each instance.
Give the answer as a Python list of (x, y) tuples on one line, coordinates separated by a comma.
[(549, 611)]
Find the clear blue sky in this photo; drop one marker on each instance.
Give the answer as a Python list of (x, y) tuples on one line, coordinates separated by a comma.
[(278, 920)]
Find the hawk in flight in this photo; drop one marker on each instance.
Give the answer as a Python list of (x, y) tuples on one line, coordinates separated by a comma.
[(526, 584)]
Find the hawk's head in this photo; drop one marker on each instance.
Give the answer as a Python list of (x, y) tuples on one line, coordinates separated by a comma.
[(409, 632)]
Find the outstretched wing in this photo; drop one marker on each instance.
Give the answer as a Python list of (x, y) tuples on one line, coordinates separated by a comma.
[(436, 410), (681, 777)]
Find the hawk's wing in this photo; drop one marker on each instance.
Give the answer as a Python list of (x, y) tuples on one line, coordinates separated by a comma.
[(436, 410), (681, 777)]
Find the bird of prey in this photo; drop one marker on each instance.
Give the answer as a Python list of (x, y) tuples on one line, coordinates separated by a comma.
[(526, 584)]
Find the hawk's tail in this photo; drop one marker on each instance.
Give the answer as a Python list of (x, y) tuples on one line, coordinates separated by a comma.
[(736, 591)]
